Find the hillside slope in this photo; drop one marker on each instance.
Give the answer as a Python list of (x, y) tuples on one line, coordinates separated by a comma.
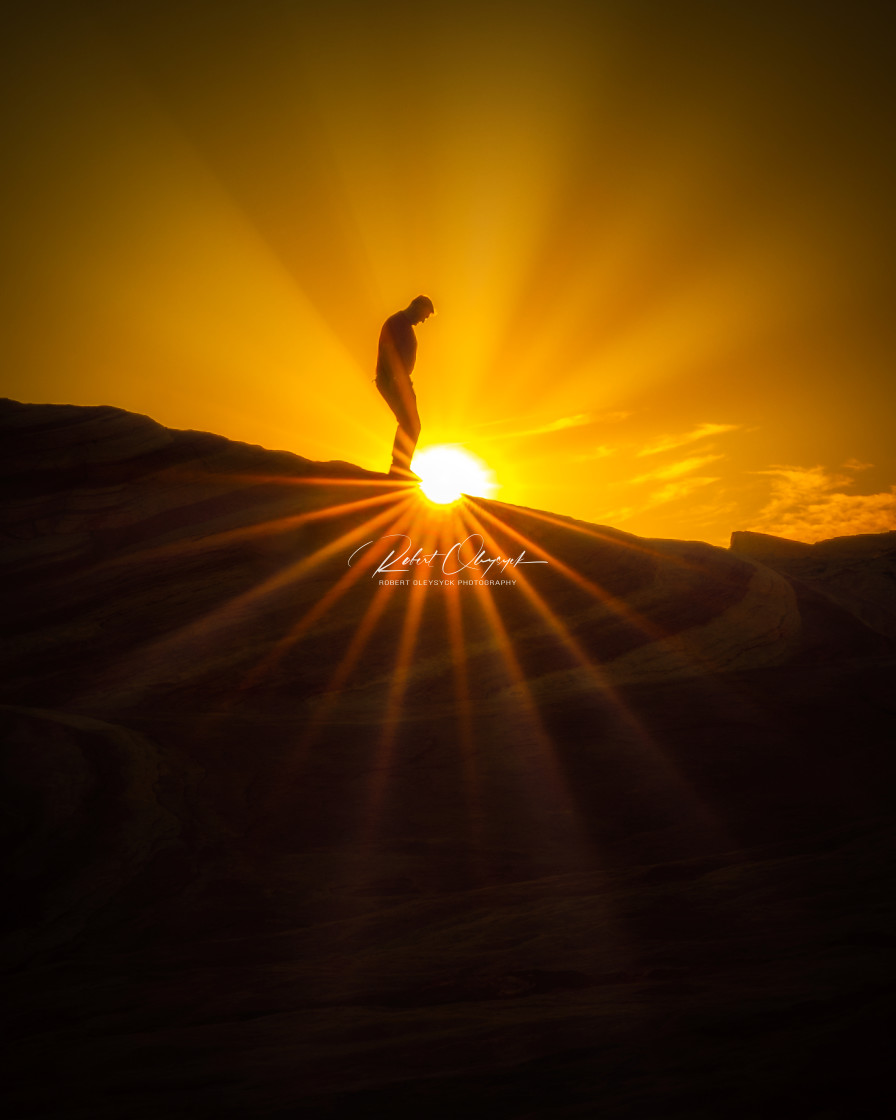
[(603, 826)]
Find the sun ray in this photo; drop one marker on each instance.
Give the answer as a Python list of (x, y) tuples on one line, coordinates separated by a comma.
[(384, 482), (621, 539), (374, 611), (156, 658), (551, 794), (397, 687), (681, 651), (358, 643), (677, 646), (410, 512), (604, 687), (556, 624), (463, 707), (212, 540), (362, 634), (624, 540), (672, 643)]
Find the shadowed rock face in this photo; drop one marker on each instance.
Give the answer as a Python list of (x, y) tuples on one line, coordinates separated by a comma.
[(609, 836), (856, 572)]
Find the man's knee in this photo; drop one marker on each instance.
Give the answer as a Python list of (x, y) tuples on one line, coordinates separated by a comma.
[(409, 423)]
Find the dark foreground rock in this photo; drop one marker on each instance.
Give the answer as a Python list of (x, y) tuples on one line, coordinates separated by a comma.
[(611, 836)]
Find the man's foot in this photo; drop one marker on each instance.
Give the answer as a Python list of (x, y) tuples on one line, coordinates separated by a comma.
[(404, 473)]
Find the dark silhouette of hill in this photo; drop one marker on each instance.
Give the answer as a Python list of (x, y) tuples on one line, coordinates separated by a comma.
[(609, 836)]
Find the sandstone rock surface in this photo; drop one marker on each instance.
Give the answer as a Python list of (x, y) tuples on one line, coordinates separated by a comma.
[(612, 836), (857, 572)]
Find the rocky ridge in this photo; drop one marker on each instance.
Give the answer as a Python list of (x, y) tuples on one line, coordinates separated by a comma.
[(613, 836)]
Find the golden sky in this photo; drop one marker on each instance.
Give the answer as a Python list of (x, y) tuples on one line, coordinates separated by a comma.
[(659, 237)]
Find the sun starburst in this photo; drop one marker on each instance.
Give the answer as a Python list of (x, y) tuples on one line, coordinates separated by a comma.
[(448, 470)]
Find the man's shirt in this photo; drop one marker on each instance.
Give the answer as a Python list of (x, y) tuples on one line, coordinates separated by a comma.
[(397, 351)]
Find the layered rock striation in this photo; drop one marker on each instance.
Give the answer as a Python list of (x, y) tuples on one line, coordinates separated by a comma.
[(858, 573), (136, 557), (591, 823)]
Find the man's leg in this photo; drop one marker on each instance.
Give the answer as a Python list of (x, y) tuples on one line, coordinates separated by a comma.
[(405, 443), (403, 402)]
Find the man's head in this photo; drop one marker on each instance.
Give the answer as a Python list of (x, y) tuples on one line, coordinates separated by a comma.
[(420, 309)]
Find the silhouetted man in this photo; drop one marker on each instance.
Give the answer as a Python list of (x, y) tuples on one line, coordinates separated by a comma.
[(395, 359)]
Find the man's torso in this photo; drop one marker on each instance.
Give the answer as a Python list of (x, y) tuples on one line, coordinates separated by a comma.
[(397, 349)]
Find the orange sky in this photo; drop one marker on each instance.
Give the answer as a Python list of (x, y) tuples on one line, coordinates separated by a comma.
[(660, 239)]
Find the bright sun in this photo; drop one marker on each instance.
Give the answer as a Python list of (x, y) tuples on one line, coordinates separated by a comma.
[(446, 471)]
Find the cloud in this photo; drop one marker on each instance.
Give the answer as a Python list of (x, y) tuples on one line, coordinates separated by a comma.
[(577, 421), (811, 504), (679, 479), (702, 431), (562, 423), (676, 470), (602, 452), (673, 491)]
